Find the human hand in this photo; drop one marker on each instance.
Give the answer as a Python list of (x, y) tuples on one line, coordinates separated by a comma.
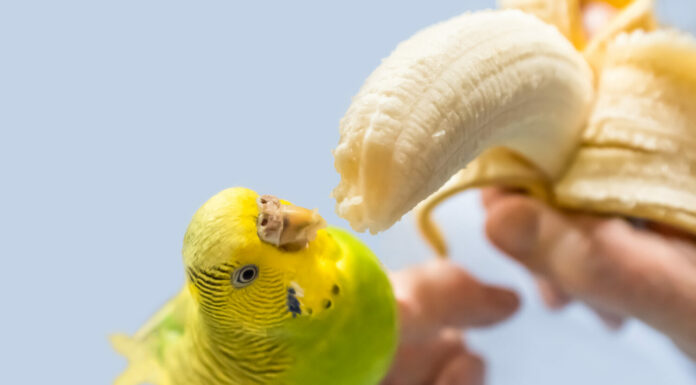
[(436, 301), (617, 269)]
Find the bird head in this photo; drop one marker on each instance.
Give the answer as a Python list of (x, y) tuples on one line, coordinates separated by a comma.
[(255, 262)]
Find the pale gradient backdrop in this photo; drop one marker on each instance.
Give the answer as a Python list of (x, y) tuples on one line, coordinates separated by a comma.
[(119, 118)]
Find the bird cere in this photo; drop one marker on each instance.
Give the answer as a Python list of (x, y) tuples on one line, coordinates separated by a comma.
[(517, 97), (286, 226)]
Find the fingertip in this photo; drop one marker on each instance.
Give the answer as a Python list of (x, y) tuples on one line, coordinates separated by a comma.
[(504, 303), (493, 305), (513, 224)]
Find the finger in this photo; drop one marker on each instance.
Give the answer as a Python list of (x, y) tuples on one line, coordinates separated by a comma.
[(464, 369), (440, 294), (552, 294), (531, 232), (555, 299), (605, 262), (670, 231), (644, 275), (418, 362), (681, 240), (688, 248)]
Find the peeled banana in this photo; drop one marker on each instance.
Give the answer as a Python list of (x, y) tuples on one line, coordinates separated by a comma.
[(602, 124)]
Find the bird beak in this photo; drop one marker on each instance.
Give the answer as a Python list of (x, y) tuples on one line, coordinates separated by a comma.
[(286, 226)]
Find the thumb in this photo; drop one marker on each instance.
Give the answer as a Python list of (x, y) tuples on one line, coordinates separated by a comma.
[(604, 262), (531, 232)]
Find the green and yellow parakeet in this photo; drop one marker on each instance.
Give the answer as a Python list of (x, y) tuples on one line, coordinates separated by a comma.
[(271, 297)]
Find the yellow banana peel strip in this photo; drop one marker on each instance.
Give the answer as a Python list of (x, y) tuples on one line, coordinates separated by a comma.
[(496, 167)]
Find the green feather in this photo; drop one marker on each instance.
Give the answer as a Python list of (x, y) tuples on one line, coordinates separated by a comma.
[(356, 342)]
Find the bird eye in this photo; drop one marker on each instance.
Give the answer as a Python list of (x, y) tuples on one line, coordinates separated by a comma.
[(244, 275)]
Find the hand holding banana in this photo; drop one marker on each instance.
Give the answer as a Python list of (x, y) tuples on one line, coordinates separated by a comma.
[(616, 269), (601, 124)]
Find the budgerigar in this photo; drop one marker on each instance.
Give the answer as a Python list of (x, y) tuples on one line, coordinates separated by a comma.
[(271, 297)]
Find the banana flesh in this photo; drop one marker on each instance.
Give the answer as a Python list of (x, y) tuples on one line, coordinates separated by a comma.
[(503, 98), (449, 93)]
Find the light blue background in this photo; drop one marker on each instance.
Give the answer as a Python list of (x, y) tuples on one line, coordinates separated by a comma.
[(119, 118)]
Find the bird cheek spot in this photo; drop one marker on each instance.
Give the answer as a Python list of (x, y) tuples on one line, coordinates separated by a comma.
[(326, 303), (293, 304)]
